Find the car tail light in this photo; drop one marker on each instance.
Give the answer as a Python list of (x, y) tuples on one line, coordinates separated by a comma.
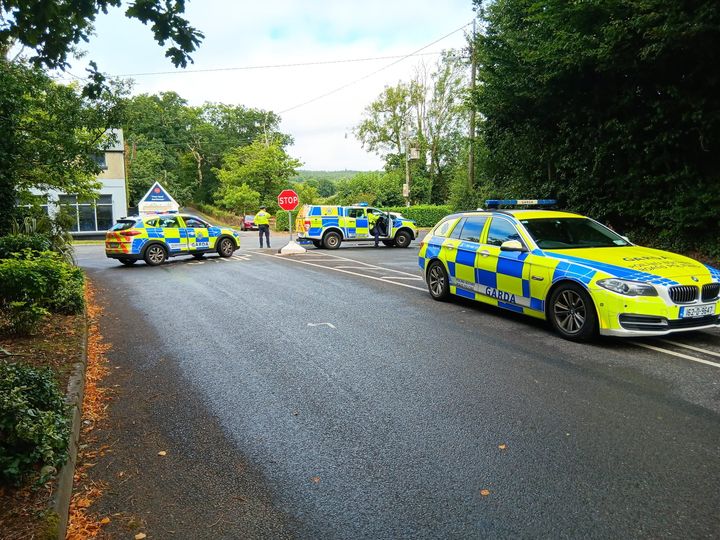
[(130, 232), (306, 224)]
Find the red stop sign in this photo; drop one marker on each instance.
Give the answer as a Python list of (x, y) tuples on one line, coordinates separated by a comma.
[(288, 199)]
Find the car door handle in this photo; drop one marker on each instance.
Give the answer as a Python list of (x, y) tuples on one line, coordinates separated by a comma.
[(484, 253), (449, 247)]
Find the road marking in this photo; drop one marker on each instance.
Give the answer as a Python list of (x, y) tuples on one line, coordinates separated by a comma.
[(322, 324), (368, 265), (401, 277), (351, 267), (298, 261), (696, 349), (673, 353)]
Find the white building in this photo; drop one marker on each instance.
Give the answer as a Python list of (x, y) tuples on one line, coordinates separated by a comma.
[(96, 217)]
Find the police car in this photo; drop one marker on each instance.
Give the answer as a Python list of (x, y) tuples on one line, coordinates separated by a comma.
[(155, 238), (328, 226), (569, 269)]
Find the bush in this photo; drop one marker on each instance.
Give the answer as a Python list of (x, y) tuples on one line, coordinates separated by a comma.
[(424, 215), (219, 214), (281, 220), (17, 243), (34, 428), (22, 318), (47, 281)]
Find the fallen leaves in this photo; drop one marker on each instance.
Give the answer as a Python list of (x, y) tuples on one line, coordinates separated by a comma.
[(484, 492), (315, 479), (162, 453), (502, 446), (140, 536)]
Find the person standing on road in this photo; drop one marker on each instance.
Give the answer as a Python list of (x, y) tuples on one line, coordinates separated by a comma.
[(262, 220), (374, 229)]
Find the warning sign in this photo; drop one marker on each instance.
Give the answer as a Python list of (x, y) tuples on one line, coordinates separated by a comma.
[(157, 200)]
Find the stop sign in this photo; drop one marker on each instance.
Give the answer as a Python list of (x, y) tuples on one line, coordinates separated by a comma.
[(288, 199)]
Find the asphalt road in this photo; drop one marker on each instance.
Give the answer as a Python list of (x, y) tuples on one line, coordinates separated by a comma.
[(333, 398)]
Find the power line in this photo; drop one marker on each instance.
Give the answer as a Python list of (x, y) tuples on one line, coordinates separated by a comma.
[(278, 66), (338, 89)]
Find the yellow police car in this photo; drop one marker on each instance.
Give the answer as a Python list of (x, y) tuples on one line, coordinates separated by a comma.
[(581, 276), (327, 226), (157, 237)]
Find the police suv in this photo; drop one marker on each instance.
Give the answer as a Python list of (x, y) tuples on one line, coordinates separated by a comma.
[(329, 226)]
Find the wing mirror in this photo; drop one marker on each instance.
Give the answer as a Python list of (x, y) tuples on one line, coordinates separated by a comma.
[(512, 245)]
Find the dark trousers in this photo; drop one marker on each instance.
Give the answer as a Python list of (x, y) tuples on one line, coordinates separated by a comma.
[(264, 229), (376, 233)]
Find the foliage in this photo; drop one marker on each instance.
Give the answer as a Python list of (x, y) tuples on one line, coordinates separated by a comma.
[(54, 228), (53, 28), (264, 168), (34, 428), (22, 318), (375, 188), (216, 213), (609, 107), (240, 199), (17, 243), (50, 133), (46, 280), (281, 220), (424, 215)]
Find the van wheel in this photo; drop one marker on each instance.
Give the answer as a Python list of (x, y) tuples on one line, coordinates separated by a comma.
[(331, 240), (317, 244), (155, 255), (128, 262), (402, 239), (572, 313), (437, 281), (226, 247)]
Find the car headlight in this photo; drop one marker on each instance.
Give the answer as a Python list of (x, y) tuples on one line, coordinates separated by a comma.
[(627, 287)]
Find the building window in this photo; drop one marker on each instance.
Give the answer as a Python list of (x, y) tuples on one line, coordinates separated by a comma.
[(99, 158), (90, 216)]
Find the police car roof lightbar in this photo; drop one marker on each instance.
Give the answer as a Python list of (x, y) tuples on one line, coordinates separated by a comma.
[(496, 203), (362, 204)]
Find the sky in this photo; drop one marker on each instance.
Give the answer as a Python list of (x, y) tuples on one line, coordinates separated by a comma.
[(273, 32)]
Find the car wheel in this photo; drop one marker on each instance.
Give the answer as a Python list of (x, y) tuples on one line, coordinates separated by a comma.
[(155, 255), (317, 244), (128, 262), (226, 247), (331, 240), (437, 281), (402, 239), (572, 313), (198, 255), (388, 243)]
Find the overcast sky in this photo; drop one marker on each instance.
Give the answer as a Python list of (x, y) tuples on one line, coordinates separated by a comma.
[(261, 33)]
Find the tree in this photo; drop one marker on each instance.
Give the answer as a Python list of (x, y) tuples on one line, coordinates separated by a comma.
[(612, 107), (53, 28), (50, 134), (239, 198), (265, 168)]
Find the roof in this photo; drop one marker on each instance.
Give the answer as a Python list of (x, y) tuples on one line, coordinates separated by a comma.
[(539, 214)]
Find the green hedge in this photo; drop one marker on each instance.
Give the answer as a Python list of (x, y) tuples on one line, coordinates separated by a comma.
[(424, 215), (47, 281), (281, 220), (17, 243), (34, 427)]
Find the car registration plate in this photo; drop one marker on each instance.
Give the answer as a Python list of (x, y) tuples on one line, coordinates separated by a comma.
[(687, 312)]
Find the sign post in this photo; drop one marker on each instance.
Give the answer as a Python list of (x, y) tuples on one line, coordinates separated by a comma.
[(288, 200)]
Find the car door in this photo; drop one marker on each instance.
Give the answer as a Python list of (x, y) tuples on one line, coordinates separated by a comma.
[(352, 216), (465, 241), (198, 237), (173, 232), (505, 276), (385, 220)]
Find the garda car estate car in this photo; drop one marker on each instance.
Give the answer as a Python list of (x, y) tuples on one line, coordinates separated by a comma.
[(155, 238), (569, 269), (327, 226)]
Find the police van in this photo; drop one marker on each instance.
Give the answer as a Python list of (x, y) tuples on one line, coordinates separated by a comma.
[(328, 226)]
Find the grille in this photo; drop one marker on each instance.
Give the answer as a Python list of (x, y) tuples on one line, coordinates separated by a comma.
[(643, 322), (694, 323), (683, 294), (710, 291)]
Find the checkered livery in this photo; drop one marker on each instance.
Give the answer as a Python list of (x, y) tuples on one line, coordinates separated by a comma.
[(522, 281), (351, 221), (129, 242)]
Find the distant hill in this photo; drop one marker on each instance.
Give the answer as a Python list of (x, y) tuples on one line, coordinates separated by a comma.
[(321, 175)]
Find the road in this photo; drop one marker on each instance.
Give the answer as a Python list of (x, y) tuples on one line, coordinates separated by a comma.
[(333, 398)]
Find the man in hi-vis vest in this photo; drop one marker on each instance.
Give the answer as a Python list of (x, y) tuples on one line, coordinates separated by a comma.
[(262, 220)]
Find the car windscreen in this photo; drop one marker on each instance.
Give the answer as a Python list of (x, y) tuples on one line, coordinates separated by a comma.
[(123, 225), (571, 233)]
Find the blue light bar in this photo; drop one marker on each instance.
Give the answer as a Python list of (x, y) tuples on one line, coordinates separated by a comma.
[(362, 204), (494, 203)]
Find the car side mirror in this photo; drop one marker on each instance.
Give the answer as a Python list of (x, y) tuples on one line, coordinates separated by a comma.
[(512, 245)]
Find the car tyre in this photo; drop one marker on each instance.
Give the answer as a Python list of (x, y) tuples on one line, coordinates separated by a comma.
[(155, 255), (388, 243), (225, 247), (572, 313), (437, 281), (331, 240), (128, 262), (317, 244), (403, 239)]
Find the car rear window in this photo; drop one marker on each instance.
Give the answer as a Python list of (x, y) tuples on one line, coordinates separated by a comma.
[(123, 225)]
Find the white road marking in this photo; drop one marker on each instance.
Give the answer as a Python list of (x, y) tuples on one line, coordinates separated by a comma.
[(368, 265), (673, 353), (298, 261), (352, 267), (696, 349), (401, 277), (322, 324)]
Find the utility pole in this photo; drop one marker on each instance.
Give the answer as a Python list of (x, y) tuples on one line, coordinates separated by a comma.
[(471, 146)]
